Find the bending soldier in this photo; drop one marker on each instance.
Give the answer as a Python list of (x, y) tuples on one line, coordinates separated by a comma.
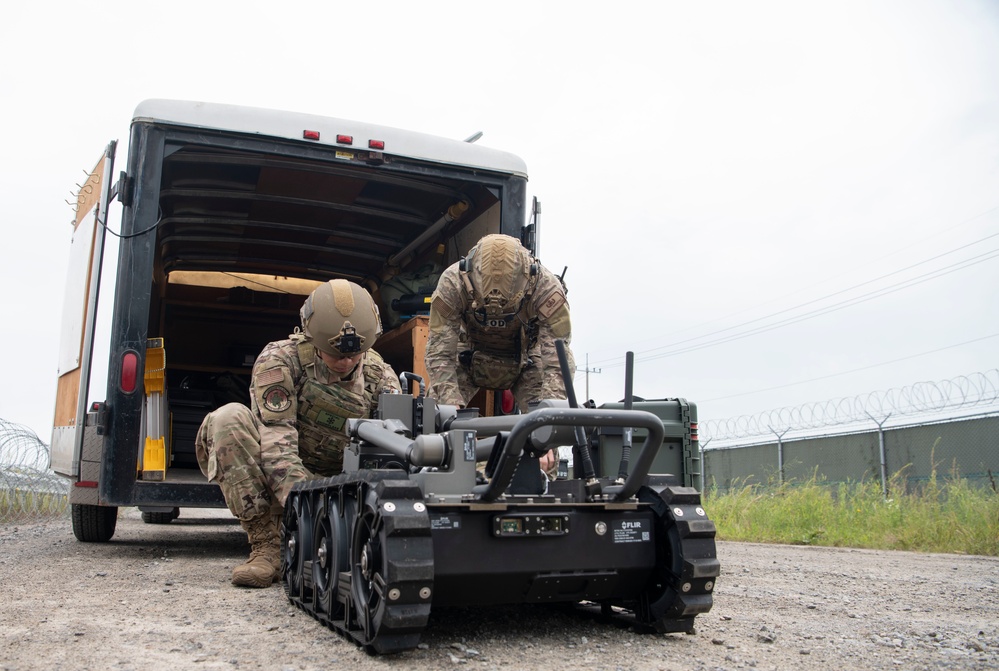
[(494, 319), (302, 393)]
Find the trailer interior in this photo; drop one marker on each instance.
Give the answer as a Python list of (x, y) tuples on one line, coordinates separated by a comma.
[(243, 236)]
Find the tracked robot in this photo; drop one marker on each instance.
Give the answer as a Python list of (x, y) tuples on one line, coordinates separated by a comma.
[(438, 506)]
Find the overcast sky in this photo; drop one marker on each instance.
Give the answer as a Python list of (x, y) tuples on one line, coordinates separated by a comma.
[(770, 203)]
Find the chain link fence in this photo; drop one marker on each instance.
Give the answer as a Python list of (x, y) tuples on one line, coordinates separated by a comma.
[(966, 448), (929, 429), (28, 489)]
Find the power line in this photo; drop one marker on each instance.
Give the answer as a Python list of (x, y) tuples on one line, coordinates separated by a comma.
[(849, 372), (904, 284), (856, 286), (826, 310), (617, 360)]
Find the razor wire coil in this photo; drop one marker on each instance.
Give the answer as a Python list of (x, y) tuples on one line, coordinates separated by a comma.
[(922, 399), (28, 488)]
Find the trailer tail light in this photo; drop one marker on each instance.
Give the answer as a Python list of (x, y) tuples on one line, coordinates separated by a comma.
[(693, 430), (506, 402), (310, 134), (376, 144), (345, 139), (129, 371)]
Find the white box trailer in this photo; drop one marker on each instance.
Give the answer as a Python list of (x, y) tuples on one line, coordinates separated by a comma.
[(230, 216)]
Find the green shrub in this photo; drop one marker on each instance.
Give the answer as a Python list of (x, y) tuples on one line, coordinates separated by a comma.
[(947, 515)]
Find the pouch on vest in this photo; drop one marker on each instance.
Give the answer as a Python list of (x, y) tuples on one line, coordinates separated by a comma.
[(490, 372)]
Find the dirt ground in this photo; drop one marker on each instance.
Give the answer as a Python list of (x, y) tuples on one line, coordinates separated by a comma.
[(158, 597)]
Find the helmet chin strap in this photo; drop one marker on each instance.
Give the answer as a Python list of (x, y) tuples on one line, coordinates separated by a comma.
[(466, 280)]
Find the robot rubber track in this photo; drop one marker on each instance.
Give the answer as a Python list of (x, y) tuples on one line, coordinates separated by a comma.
[(409, 525)]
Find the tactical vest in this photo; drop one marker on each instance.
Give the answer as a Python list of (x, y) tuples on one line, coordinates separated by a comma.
[(323, 411), (499, 348)]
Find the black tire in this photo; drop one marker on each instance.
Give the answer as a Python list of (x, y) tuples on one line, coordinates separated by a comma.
[(296, 547), (368, 560), (330, 552), (94, 524), (161, 518)]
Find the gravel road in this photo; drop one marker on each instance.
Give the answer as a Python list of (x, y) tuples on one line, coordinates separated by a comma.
[(158, 597)]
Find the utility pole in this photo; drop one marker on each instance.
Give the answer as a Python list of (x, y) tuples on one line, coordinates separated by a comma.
[(589, 370)]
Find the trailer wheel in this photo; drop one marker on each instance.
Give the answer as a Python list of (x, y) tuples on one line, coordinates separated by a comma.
[(161, 518), (93, 524)]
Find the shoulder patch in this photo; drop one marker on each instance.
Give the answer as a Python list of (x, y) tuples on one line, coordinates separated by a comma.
[(274, 394), (550, 302), (270, 376), (443, 308), (277, 398)]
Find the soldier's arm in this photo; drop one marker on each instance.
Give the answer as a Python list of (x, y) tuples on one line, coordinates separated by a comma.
[(388, 382), (441, 359), (274, 402), (554, 323), (384, 379)]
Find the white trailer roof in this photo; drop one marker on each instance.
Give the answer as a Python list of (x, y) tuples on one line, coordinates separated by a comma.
[(291, 125)]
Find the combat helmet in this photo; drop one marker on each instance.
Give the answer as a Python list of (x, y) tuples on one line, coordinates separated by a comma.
[(340, 318), (501, 273)]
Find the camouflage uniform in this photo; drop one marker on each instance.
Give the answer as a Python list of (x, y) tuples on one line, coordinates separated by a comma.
[(294, 428), (465, 353)]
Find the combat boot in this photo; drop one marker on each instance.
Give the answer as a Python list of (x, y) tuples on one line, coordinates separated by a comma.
[(277, 514), (264, 565)]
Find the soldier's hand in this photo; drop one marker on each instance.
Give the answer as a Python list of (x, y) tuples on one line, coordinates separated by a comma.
[(549, 460)]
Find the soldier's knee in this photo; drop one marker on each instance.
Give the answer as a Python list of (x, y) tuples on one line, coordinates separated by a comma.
[(233, 414), (227, 429)]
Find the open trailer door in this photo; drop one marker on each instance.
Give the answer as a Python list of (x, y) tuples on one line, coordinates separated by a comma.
[(79, 316)]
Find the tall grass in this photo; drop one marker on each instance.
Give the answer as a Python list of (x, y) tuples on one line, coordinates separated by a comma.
[(935, 515)]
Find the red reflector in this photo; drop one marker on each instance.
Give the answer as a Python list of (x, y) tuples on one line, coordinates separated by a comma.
[(310, 134), (506, 402), (376, 144), (344, 139), (129, 371), (85, 483)]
